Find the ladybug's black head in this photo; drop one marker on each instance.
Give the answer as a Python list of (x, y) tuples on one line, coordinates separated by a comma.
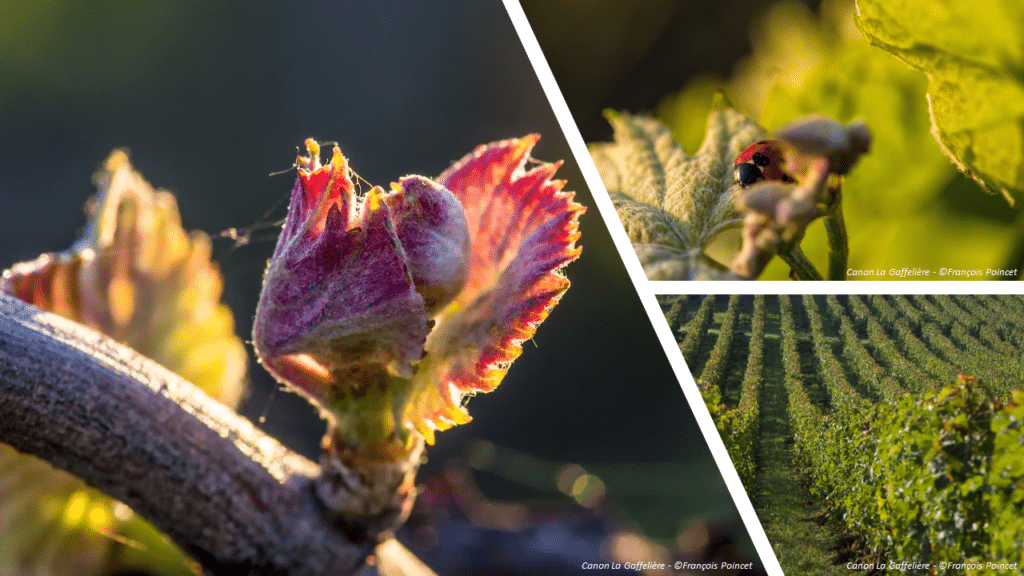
[(747, 173)]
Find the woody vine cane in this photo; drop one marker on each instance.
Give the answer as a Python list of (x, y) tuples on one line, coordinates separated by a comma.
[(387, 310)]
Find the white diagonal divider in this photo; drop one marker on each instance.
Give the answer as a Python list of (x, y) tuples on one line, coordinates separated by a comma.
[(644, 287)]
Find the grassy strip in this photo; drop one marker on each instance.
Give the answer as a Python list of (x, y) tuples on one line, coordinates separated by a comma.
[(804, 416), (785, 508), (714, 369), (742, 423)]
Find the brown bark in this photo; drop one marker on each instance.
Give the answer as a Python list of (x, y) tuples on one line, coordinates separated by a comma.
[(228, 494)]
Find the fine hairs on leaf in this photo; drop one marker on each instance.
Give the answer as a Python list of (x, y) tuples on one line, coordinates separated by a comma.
[(673, 205)]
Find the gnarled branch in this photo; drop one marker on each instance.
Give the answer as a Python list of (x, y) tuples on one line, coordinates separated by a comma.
[(228, 494)]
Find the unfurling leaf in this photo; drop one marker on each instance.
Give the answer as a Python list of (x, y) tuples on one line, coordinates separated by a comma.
[(339, 304), (671, 204), (973, 55), (388, 309), (139, 278)]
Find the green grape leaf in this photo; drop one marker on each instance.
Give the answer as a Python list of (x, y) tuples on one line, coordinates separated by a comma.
[(973, 55), (671, 204)]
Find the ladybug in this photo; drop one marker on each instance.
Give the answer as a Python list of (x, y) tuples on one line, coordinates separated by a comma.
[(762, 160)]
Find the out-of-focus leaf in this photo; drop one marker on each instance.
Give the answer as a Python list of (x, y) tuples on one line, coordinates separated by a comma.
[(804, 64), (672, 205), (891, 197), (138, 277), (973, 54)]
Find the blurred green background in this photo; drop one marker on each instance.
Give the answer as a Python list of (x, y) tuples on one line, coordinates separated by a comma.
[(905, 203), (210, 98)]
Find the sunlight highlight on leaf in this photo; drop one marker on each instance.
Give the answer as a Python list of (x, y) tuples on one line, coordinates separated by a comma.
[(139, 278), (523, 228), (671, 204), (388, 309), (973, 55)]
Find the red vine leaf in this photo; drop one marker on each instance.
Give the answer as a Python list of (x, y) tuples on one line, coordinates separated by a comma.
[(523, 230)]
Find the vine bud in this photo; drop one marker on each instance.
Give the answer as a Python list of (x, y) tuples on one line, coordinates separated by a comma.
[(347, 294), (820, 136), (387, 310)]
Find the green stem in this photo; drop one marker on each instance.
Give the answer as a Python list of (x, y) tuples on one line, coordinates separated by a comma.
[(838, 246), (802, 267)]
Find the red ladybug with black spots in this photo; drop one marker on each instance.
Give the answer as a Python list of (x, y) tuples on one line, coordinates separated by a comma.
[(761, 161)]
